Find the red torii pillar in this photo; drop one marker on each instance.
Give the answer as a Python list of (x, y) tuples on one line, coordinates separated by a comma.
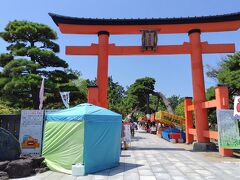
[(198, 85), (102, 70)]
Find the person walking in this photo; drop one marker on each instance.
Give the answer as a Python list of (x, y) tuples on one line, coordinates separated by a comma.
[(132, 126), (123, 138)]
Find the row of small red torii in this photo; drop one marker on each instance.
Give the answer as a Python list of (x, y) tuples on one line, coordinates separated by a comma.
[(193, 26)]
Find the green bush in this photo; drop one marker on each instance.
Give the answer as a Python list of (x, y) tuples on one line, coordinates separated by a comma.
[(4, 109)]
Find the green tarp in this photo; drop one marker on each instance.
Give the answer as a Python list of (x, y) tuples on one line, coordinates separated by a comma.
[(63, 145)]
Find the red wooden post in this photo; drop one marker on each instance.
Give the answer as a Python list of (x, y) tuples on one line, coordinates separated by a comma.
[(102, 71), (198, 86), (93, 95), (222, 100), (188, 119)]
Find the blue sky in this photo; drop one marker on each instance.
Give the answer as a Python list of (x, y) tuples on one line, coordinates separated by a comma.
[(172, 73)]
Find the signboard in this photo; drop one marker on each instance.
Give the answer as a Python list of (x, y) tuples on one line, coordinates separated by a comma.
[(149, 39), (237, 107), (228, 130), (169, 119), (31, 129)]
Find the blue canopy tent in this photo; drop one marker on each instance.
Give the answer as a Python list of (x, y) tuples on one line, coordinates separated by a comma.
[(85, 134)]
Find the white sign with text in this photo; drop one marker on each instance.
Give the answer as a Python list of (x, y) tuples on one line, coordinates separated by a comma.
[(31, 129)]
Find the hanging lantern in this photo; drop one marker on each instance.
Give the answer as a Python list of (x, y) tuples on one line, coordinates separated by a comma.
[(149, 40)]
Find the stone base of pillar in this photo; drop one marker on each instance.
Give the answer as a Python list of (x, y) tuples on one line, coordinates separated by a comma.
[(203, 147)]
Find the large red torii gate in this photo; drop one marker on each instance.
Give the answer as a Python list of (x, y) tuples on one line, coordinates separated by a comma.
[(194, 26)]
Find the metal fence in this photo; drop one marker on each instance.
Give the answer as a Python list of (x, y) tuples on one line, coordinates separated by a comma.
[(11, 123)]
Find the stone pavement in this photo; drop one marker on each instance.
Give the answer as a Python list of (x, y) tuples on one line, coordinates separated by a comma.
[(152, 158)]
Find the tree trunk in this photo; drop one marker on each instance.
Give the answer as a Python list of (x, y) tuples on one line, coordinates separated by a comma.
[(136, 109), (165, 101), (34, 89), (35, 97)]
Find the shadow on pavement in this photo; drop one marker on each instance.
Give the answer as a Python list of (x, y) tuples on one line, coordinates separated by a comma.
[(159, 149), (137, 138), (123, 167), (125, 155), (141, 131)]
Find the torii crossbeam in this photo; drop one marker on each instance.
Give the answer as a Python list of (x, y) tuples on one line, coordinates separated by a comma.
[(114, 50)]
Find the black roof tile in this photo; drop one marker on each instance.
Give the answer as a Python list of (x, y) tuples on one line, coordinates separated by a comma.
[(151, 21)]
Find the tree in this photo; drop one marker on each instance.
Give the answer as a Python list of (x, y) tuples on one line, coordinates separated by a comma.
[(175, 101), (31, 54), (165, 101), (134, 100), (137, 97), (210, 95), (137, 94), (156, 104), (115, 96), (228, 72), (5, 109), (76, 87), (179, 110)]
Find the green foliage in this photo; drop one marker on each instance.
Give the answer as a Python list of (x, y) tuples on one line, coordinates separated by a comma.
[(154, 104), (210, 94), (134, 100), (228, 73), (179, 110), (175, 101), (76, 86), (137, 94), (4, 109), (161, 106), (29, 32), (212, 118), (31, 54), (115, 96)]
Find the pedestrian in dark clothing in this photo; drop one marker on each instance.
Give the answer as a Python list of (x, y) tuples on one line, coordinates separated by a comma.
[(132, 126)]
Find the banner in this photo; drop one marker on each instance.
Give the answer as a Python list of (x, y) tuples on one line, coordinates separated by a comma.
[(65, 98), (228, 130), (237, 107), (41, 95), (31, 129)]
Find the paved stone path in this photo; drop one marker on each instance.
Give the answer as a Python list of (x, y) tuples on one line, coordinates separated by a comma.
[(152, 158)]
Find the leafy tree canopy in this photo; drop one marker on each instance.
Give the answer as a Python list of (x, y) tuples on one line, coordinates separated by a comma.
[(31, 54), (133, 102), (5, 109), (179, 110), (175, 101), (228, 73), (137, 94), (115, 96)]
